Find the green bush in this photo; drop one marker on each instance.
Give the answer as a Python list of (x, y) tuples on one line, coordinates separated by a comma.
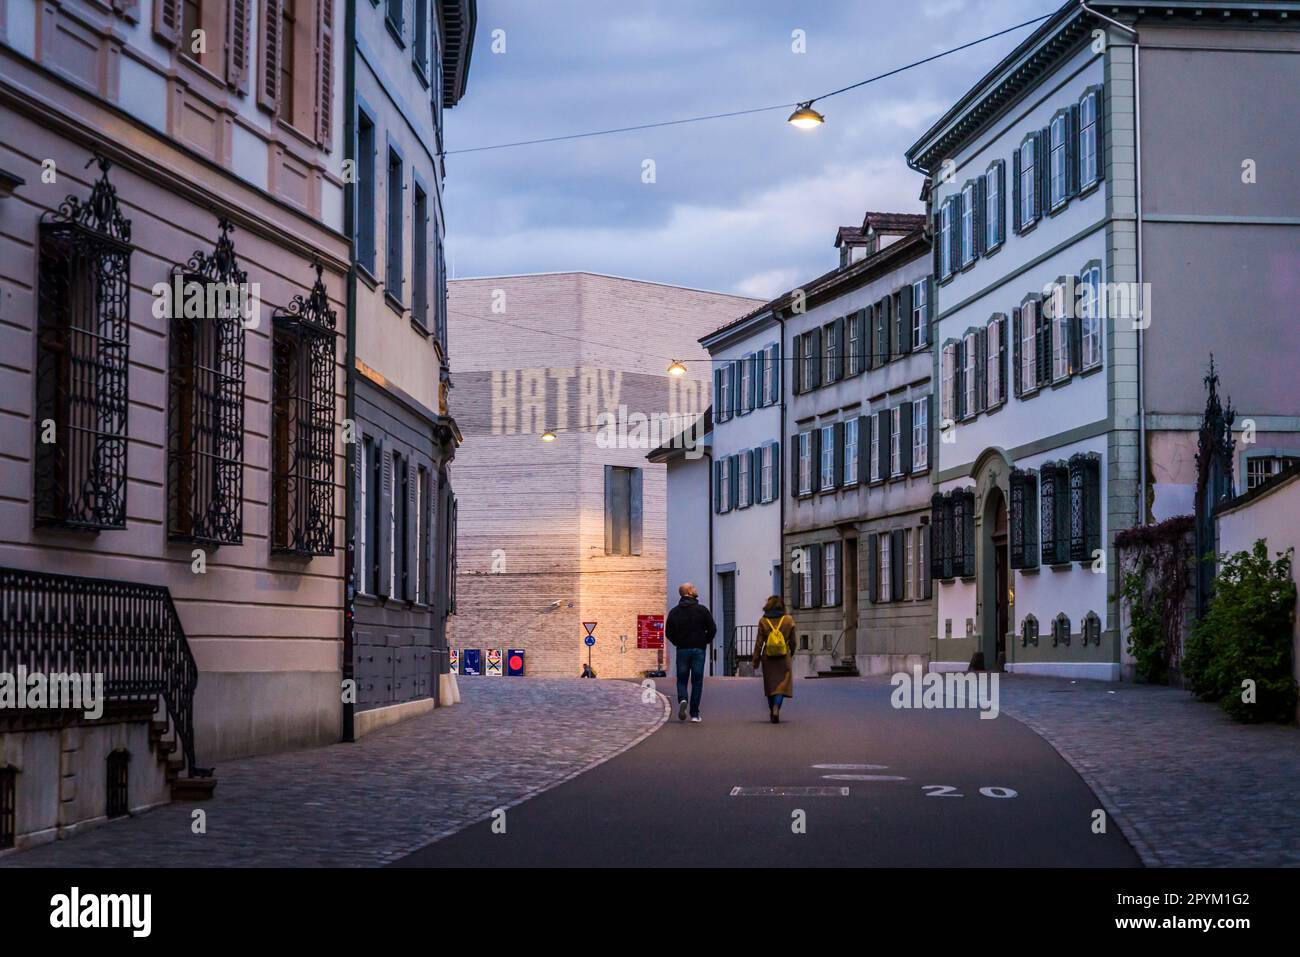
[(1146, 639), (1246, 635)]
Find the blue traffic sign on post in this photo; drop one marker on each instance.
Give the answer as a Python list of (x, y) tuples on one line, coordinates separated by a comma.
[(589, 640)]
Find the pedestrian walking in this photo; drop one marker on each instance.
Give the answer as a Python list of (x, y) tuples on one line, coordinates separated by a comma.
[(774, 650), (690, 628)]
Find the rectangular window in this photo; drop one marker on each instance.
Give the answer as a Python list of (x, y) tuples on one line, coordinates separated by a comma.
[(1060, 332), (968, 224), (363, 577), (743, 479), (1028, 182), (622, 510), (770, 376), (993, 206), (850, 451), (393, 508), (393, 278), (948, 384), (420, 257), (806, 582), (908, 565), (826, 468), (805, 463), (420, 46), (1059, 186), (896, 440), (945, 240), (1090, 316), (875, 448), (920, 434), (853, 351), (765, 473), (724, 484), (920, 313), (724, 394), (745, 382), (365, 237), (303, 427), (831, 580), (1088, 120), (285, 107), (421, 535), (883, 589), (830, 364), (1028, 345), (810, 360), (393, 13), (993, 365)]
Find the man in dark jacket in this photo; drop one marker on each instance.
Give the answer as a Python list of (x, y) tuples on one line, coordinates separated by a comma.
[(691, 629)]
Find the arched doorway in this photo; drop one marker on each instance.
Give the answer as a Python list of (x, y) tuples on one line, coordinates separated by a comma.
[(995, 597)]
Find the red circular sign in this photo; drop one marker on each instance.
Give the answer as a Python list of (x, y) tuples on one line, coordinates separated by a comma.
[(516, 662)]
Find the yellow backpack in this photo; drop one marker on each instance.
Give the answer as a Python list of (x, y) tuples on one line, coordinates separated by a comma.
[(775, 646)]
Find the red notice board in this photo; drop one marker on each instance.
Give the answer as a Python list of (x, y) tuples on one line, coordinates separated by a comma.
[(649, 631)]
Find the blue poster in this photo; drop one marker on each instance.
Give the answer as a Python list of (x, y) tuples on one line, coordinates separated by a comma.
[(471, 661)]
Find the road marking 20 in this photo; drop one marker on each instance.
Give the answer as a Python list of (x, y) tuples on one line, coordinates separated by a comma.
[(949, 791)]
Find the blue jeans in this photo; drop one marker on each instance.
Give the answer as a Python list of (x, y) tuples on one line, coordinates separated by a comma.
[(690, 663), (774, 700)]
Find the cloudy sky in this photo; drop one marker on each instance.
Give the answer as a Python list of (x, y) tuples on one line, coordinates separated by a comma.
[(746, 204)]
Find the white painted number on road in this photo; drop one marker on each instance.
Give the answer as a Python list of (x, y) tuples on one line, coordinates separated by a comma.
[(940, 791), (948, 791), (996, 792)]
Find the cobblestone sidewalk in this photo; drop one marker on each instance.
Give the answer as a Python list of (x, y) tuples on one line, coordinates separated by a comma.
[(1189, 786), (389, 794)]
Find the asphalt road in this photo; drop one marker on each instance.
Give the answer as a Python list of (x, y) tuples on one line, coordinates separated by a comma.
[(669, 801)]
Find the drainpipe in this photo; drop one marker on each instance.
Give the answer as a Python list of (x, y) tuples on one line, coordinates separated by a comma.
[(349, 352), (1137, 163), (785, 454)]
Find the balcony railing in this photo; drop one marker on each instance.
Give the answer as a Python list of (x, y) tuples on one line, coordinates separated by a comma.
[(128, 632)]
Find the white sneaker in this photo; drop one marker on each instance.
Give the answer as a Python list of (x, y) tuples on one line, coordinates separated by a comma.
[(695, 720), (681, 710)]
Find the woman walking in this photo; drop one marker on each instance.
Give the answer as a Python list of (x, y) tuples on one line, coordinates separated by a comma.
[(775, 650)]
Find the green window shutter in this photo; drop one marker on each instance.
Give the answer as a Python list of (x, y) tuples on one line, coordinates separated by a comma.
[(717, 487), (837, 430), (1017, 346), (410, 550), (882, 451), (1072, 151), (1101, 131), (755, 475), (1002, 201), (864, 449), (733, 480), (385, 510), (1016, 221), (818, 358), (896, 570), (839, 349), (774, 357), (905, 319), (776, 472), (794, 465), (717, 392)]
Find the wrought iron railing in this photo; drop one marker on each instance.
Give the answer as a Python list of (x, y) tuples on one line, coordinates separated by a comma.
[(126, 631), (737, 646)]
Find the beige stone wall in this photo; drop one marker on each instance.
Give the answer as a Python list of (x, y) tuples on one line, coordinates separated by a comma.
[(565, 348)]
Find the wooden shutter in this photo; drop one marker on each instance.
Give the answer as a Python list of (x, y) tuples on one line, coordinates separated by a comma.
[(717, 487), (873, 568), (1042, 170), (776, 472), (795, 444), (815, 350), (837, 466), (815, 459), (717, 393), (755, 369), (1015, 190), (324, 72), (813, 566), (268, 93), (733, 370), (1076, 337), (864, 449), (932, 432), (1043, 340), (1003, 352), (774, 357), (358, 502), (959, 409), (167, 21), (937, 508), (896, 570), (1072, 151), (733, 481), (978, 216), (839, 349), (882, 332), (236, 44), (411, 556), (385, 542), (925, 540), (981, 369), (796, 586), (1017, 347), (635, 510), (905, 438), (1101, 138), (904, 321), (755, 475), (1002, 201)]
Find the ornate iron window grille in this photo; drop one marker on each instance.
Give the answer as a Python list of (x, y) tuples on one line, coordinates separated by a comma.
[(128, 632), (1016, 529), (1078, 510), (205, 450), (83, 331), (1055, 514), (1061, 630), (937, 536), (967, 531), (1029, 631), (958, 533), (1031, 519), (303, 424), (1091, 628)]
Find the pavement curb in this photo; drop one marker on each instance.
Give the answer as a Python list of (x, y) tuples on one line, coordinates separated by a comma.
[(665, 710), (1126, 826)]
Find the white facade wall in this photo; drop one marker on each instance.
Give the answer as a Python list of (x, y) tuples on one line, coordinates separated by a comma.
[(747, 540)]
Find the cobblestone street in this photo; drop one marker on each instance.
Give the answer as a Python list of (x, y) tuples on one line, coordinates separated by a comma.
[(394, 791), (1189, 786)]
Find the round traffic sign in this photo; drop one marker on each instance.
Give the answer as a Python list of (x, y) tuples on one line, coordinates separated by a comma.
[(589, 640)]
